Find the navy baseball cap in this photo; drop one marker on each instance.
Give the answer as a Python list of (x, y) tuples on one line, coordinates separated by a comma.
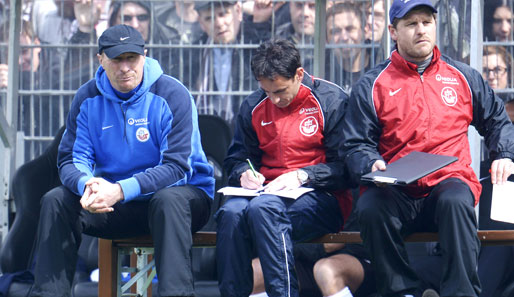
[(401, 7), (121, 39), (203, 5)]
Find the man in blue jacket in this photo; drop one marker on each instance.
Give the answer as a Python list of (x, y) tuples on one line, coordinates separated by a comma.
[(131, 163)]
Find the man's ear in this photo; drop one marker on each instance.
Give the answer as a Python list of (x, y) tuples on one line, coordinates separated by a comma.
[(299, 73), (145, 52), (392, 31), (239, 10), (100, 58)]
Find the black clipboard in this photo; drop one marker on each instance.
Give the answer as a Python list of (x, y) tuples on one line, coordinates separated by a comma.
[(409, 168)]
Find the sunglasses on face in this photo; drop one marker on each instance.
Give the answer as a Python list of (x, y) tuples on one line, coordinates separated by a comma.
[(139, 17)]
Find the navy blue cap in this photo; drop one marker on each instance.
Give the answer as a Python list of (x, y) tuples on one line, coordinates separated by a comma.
[(203, 5), (121, 39), (401, 7)]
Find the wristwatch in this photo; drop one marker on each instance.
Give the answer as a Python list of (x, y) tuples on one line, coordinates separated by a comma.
[(303, 176)]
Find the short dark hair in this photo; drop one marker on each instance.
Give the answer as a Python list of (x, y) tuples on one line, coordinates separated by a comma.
[(276, 57), (347, 7)]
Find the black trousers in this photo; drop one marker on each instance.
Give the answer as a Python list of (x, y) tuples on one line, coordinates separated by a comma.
[(171, 215), (386, 215)]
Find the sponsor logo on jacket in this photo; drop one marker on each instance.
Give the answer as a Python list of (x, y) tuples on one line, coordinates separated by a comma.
[(446, 80), (138, 122), (309, 110)]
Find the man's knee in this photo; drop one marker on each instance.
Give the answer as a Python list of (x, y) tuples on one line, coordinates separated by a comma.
[(369, 210), (232, 209), (56, 199), (455, 196), (265, 206), (169, 201), (324, 270)]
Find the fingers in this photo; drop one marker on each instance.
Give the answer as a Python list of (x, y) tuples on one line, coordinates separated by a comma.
[(285, 181), (250, 181), (378, 165), (99, 207), (501, 169), (85, 197), (4, 75)]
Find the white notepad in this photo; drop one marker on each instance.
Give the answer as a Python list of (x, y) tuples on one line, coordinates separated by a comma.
[(502, 203), (237, 191)]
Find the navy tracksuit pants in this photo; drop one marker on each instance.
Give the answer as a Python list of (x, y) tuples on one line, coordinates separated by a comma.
[(386, 215), (267, 226)]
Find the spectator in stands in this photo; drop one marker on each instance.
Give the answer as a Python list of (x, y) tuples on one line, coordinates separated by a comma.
[(496, 63), (404, 105), (284, 158), (498, 21), (274, 13), (81, 63), (301, 30), (345, 30), (131, 163), (136, 14), (30, 107), (375, 20), (374, 30), (176, 23), (224, 69), (496, 66), (61, 67), (61, 23)]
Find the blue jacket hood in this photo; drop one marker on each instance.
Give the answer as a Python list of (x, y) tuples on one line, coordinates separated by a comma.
[(151, 72)]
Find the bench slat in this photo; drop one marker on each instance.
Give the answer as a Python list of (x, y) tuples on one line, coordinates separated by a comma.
[(208, 239)]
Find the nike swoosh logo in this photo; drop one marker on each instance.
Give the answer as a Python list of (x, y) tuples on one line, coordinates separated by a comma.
[(391, 93), (263, 123), (107, 127), (123, 38)]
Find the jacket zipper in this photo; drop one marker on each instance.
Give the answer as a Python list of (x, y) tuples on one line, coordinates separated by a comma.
[(124, 123), (429, 136)]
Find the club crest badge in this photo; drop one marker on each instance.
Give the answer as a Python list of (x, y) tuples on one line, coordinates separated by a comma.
[(449, 96), (309, 126), (142, 134)]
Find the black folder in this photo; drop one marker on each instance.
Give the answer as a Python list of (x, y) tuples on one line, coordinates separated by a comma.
[(409, 168)]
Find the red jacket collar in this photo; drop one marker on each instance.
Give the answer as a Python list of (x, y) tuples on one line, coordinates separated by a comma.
[(400, 62)]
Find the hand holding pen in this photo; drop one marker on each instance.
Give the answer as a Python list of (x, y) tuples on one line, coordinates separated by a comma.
[(251, 179)]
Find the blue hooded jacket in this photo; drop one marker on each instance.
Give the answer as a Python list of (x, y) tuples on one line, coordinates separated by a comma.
[(145, 143)]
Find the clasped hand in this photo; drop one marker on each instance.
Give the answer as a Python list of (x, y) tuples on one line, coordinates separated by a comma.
[(100, 195)]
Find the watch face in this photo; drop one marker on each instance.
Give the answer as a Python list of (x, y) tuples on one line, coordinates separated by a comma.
[(303, 176)]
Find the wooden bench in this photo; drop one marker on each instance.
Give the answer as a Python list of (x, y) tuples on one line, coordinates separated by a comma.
[(109, 250)]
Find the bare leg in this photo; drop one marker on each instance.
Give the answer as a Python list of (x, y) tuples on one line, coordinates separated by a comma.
[(334, 273), (258, 278)]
